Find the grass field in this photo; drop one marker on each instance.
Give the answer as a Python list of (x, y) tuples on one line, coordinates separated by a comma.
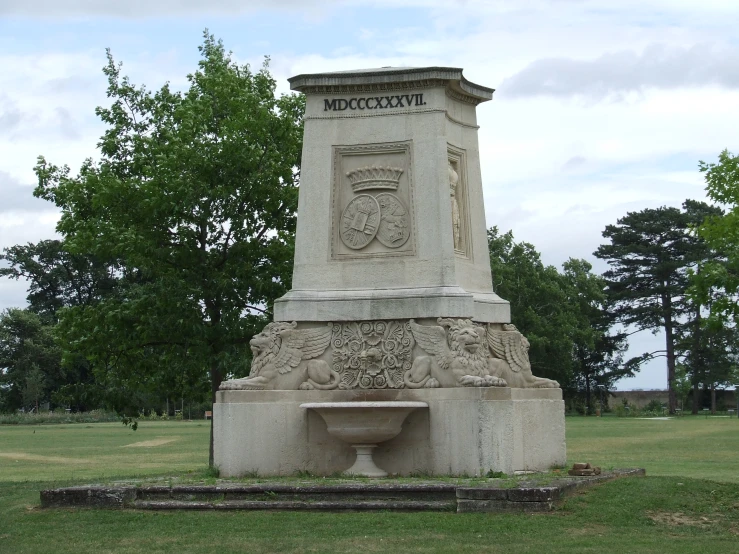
[(688, 503)]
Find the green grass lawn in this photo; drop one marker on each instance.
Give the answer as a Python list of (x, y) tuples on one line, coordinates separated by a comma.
[(101, 451), (688, 446), (688, 503)]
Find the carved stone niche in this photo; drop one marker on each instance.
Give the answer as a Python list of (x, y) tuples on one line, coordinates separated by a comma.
[(459, 200), (372, 201)]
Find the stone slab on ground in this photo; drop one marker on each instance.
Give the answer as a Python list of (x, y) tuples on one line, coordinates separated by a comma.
[(529, 497), (474, 496)]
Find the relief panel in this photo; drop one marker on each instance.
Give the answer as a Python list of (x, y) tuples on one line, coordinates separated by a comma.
[(372, 201), (459, 200)]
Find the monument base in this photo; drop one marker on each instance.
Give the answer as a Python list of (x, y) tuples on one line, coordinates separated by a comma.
[(466, 431)]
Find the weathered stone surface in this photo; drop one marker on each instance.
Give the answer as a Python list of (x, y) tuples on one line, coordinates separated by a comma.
[(97, 497), (392, 354), (468, 506), (345, 496), (465, 431), (421, 258), (482, 493), (533, 494), (318, 505)]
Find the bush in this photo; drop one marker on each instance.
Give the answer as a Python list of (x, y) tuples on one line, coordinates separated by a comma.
[(654, 406), (60, 416)]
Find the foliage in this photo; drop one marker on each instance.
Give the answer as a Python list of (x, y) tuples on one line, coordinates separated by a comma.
[(30, 361), (56, 277), (539, 304), (650, 253), (59, 417), (598, 353), (717, 282), (563, 315), (194, 200)]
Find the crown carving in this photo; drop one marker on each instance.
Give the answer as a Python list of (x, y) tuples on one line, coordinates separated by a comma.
[(374, 177)]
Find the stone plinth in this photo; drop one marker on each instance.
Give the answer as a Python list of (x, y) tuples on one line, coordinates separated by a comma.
[(465, 431)]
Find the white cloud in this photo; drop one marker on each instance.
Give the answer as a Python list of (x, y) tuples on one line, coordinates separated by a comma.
[(615, 75)]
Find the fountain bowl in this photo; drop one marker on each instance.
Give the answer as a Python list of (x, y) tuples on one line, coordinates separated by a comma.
[(363, 425)]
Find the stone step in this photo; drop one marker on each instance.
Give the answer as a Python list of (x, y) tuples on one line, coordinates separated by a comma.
[(528, 496), (329, 493), (288, 505)]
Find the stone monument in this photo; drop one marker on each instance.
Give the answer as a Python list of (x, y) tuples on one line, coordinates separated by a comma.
[(392, 298)]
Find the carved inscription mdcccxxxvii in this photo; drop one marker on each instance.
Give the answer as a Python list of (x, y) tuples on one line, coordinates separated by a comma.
[(373, 102)]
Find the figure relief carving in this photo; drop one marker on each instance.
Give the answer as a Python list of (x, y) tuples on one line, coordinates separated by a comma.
[(510, 360), (372, 354), (379, 355), (283, 360), (458, 357), (456, 216)]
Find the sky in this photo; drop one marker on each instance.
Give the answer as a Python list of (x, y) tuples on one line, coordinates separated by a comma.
[(601, 106)]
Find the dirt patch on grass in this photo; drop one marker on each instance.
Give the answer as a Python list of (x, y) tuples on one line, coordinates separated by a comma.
[(151, 443), (675, 519), (588, 530), (25, 456)]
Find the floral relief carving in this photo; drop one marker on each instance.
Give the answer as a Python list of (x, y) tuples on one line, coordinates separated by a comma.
[(371, 354)]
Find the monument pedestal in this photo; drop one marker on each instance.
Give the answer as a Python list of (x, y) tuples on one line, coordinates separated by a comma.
[(465, 431), (392, 296)]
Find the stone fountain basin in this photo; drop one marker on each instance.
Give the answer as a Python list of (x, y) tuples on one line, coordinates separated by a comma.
[(364, 422), (363, 425)]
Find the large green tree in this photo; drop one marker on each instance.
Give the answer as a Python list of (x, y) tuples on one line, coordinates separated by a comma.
[(194, 199), (650, 254)]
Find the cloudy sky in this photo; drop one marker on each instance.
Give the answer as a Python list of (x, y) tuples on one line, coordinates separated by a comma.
[(602, 106)]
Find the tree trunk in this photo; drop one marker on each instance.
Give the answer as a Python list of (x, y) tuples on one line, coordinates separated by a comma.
[(713, 398), (587, 394), (696, 396), (697, 359), (215, 382), (670, 350)]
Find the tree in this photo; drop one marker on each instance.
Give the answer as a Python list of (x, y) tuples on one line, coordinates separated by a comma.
[(597, 352), (717, 282), (539, 304), (30, 361), (56, 277), (194, 200), (650, 253)]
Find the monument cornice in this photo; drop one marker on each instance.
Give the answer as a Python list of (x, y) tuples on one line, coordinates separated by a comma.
[(387, 79)]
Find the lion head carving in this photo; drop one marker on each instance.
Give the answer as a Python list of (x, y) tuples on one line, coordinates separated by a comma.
[(266, 345), (466, 344)]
